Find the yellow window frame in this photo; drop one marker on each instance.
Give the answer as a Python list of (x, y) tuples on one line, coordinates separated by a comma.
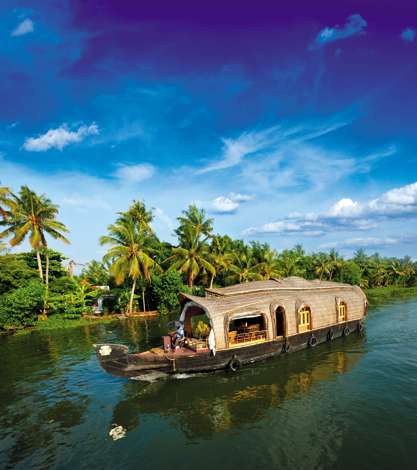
[(342, 311), (304, 319)]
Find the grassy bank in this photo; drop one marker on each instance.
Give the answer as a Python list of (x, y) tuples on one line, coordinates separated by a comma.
[(384, 294)]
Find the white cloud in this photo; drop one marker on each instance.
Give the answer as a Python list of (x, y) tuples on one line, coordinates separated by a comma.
[(261, 143), (408, 34), (227, 204), (406, 195), (25, 27), (367, 242), (59, 138), (237, 197), (347, 214), (354, 25), (345, 208), (248, 143), (135, 173), (307, 166), (224, 205)]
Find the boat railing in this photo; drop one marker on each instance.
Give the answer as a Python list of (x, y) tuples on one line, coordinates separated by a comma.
[(248, 337)]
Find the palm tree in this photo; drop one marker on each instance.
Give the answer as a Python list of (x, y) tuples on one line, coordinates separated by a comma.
[(4, 194), (269, 266), (130, 254), (140, 215), (290, 261), (192, 256), (220, 255), (96, 273), (196, 219), (379, 273), (396, 271), (408, 269), (32, 215), (335, 263), (322, 265), (245, 268)]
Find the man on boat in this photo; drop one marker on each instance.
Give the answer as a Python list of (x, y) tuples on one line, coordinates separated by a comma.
[(179, 335)]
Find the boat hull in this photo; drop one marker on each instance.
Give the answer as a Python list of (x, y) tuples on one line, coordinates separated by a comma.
[(115, 359)]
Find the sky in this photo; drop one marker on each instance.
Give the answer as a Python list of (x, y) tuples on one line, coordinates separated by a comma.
[(288, 122)]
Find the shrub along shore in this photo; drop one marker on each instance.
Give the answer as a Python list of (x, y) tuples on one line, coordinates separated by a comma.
[(140, 272)]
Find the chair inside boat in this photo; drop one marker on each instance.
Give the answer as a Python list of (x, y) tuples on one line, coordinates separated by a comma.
[(247, 328)]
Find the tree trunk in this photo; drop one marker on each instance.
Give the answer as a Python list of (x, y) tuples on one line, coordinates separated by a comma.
[(38, 257), (45, 299), (211, 281), (143, 299), (132, 293), (46, 268), (190, 279)]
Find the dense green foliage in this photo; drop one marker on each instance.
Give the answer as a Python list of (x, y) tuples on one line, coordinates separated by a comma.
[(20, 307), (165, 289), (139, 271), (14, 272)]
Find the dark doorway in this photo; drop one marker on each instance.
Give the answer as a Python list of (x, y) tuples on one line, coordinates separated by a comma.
[(280, 321)]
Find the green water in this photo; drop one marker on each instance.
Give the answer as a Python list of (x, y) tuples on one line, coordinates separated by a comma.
[(351, 404)]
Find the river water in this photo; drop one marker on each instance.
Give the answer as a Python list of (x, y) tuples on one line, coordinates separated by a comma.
[(349, 404)]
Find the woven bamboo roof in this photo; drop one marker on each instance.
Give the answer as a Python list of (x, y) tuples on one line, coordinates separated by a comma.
[(288, 283), (252, 294)]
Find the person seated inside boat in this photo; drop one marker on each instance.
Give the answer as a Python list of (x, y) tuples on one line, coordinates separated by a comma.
[(179, 335)]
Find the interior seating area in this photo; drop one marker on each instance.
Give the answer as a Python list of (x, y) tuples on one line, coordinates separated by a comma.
[(247, 330)]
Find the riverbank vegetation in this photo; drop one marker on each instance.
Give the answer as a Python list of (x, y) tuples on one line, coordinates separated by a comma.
[(141, 272)]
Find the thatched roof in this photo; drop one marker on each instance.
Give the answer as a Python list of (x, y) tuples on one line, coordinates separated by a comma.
[(250, 294), (288, 283)]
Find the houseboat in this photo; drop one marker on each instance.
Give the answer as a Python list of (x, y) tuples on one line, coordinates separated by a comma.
[(245, 323)]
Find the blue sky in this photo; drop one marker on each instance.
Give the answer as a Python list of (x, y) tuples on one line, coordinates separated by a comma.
[(289, 124)]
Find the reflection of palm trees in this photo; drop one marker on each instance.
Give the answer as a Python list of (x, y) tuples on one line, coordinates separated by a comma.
[(214, 403)]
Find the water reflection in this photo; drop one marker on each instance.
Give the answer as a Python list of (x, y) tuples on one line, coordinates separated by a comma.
[(205, 404)]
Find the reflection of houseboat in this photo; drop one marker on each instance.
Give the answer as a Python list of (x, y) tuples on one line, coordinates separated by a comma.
[(249, 322), (209, 405)]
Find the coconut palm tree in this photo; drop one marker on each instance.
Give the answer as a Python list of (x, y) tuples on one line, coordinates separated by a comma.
[(335, 263), (220, 255), (379, 274), (140, 215), (245, 268), (195, 219), (4, 196), (32, 215), (130, 254), (322, 265), (269, 266), (408, 269), (192, 256), (290, 262), (396, 271)]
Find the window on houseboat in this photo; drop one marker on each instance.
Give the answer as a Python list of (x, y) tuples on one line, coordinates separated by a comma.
[(342, 311), (304, 319), (247, 329)]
